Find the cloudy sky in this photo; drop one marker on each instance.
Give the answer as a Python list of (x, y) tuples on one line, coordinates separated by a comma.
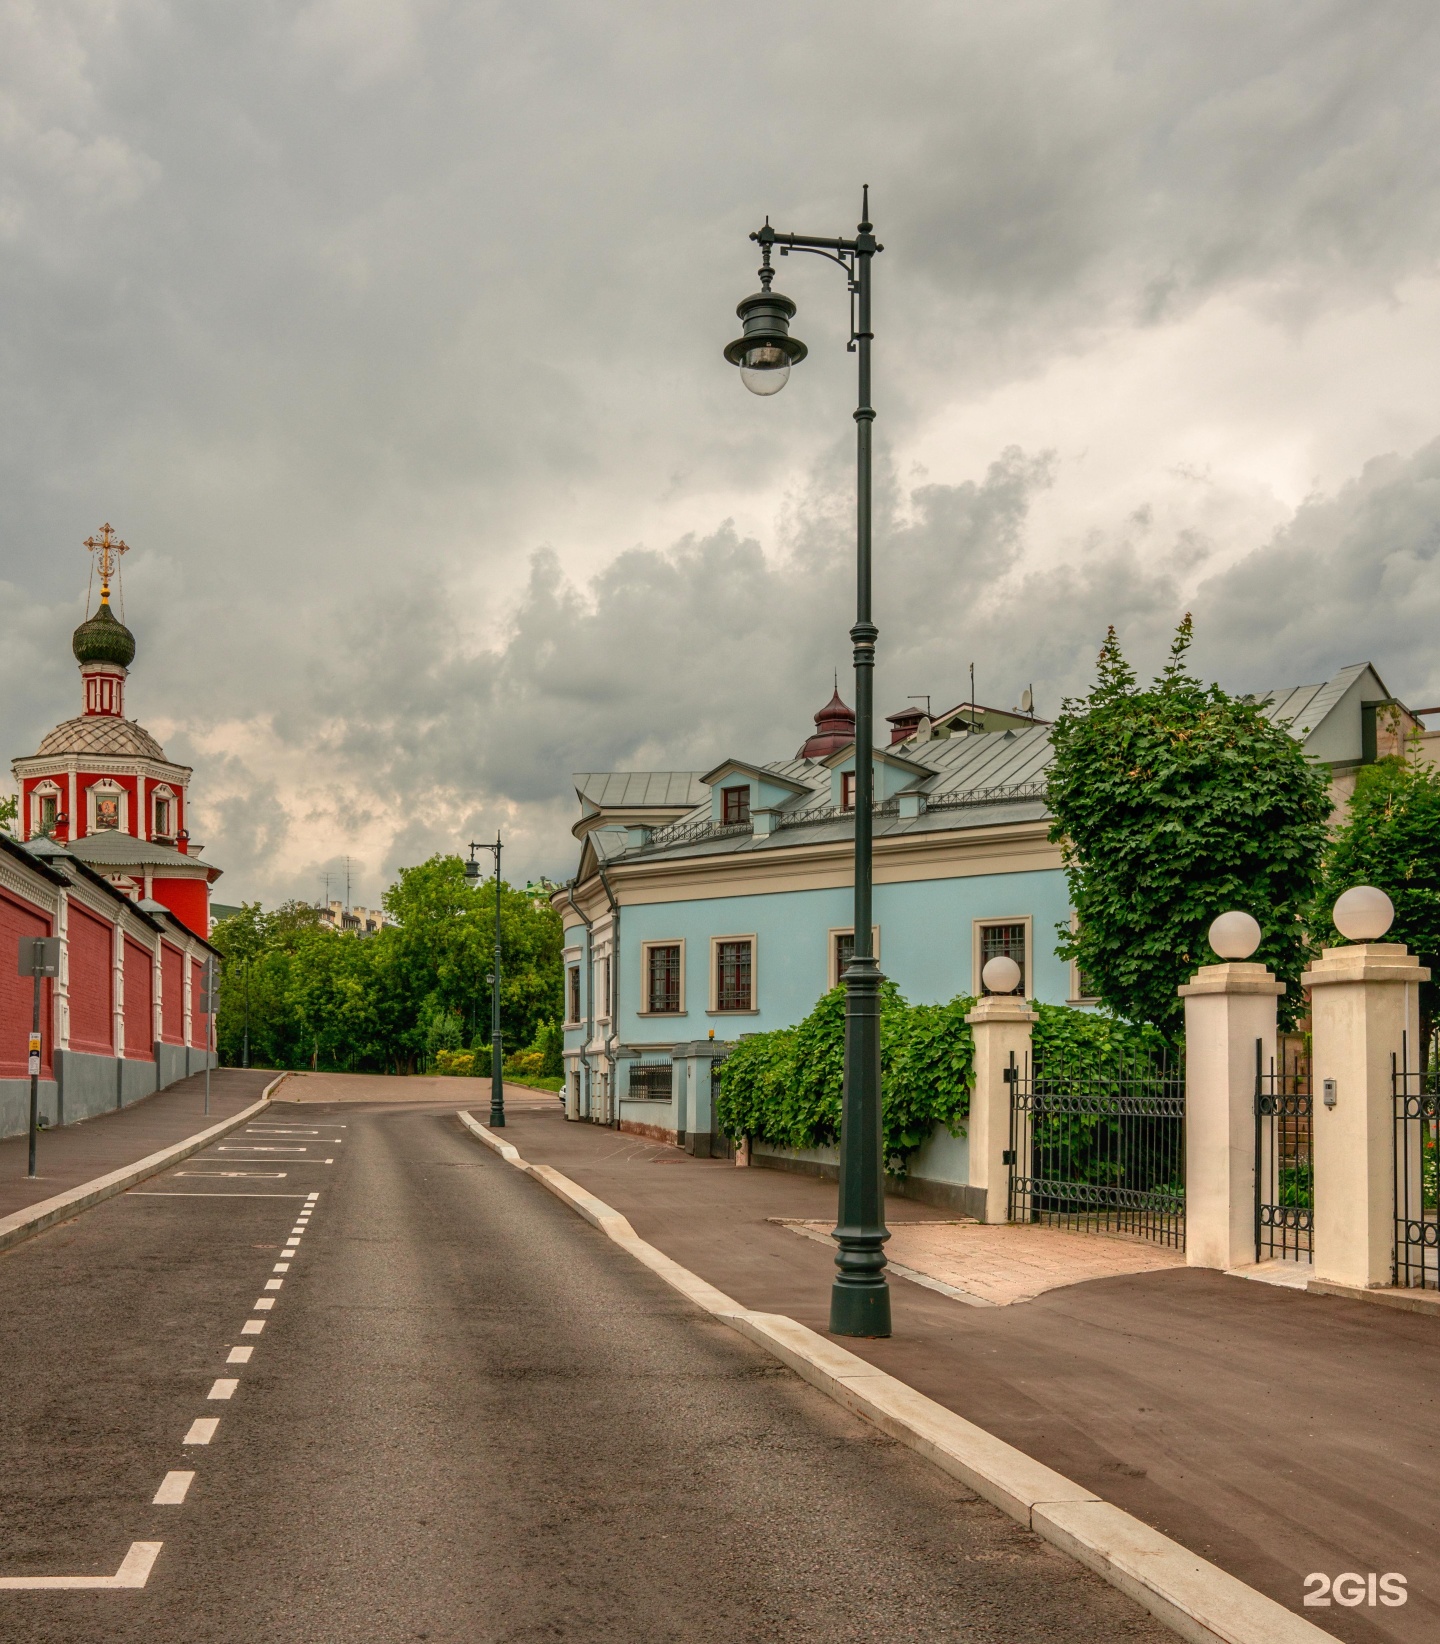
[(388, 334)]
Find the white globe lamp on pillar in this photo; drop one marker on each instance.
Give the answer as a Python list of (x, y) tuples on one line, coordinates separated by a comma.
[(1234, 935), (1363, 914), (1001, 974)]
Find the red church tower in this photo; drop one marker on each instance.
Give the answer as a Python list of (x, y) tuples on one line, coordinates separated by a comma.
[(101, 785)]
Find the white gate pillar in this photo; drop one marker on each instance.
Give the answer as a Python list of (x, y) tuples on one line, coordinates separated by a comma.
[(1001, 1025), (1227, 1008), (1364, 999)]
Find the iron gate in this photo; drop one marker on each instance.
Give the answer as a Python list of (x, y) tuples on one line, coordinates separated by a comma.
[(1417, 1133), (1284, 1161), (1100, 1151)]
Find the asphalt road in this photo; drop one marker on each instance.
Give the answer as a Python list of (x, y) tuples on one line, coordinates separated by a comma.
[(468, 1416)]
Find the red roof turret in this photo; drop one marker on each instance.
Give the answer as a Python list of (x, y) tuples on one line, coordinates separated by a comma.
[(834, 729)]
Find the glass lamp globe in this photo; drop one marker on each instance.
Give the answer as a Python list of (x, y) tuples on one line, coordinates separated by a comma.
[(765, 369), (1234, 935), (1363, 913), (1001, 974)]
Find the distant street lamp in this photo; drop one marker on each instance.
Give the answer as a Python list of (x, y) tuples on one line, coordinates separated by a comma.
[(497, 1085), (860, 1297)]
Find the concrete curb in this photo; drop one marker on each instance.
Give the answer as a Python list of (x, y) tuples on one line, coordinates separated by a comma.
[(23, 1224), (1200, 1601), (1404, 1301)]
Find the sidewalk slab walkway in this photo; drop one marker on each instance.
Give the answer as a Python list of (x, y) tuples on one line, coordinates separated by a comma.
[(1273, 1432), (71, 1155)]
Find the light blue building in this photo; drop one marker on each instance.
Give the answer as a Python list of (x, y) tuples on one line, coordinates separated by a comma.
[(711, 904)]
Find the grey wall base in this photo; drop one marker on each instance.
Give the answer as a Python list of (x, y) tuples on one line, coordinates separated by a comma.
[(957, 1196), (85, 1085), (15, 1105)]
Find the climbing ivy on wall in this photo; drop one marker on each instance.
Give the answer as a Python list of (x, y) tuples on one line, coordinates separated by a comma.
[(785, 1087)]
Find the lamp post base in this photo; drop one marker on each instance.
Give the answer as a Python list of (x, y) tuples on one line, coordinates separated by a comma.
[(860, 1309)]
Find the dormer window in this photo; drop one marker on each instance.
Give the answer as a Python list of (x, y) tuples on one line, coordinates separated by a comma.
[(735, 804), (847, 790)]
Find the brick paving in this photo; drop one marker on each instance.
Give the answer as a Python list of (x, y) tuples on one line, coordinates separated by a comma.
[(998, 1266)]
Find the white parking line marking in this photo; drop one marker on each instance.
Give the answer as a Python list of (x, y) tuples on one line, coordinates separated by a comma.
[(237, 1175), (311, 1197), (274, 1284), (224, 1388), (252, 1327), (134, 1571), (137, 1194), (255, 1147), (240, 1355), (202, 1430), (264, 1303), (172, 1489)]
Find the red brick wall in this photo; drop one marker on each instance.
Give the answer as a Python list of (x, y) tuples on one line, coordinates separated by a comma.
[(139, 1003), (92, 982), (172, 995), (17, 993)]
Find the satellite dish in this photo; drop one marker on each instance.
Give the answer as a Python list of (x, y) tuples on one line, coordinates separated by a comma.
[(1027, 700)]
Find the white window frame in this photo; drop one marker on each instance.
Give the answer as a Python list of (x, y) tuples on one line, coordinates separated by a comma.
[(1027, 989), (644, 990), (832, 963), (107, 787), (572, 968), (164, 791), (738, 936), (47, 789)]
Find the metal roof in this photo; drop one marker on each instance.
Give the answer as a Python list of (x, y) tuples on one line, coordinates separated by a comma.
[(628, 789), (100, 734), (112, 849)]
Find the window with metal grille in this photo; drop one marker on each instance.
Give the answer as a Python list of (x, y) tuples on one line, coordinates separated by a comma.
[(572, 982), (844, 953), (733, 973), (162, 818), (48, 813), (651, 1081), (735, 804), (662, 984), (847, 790), (1006, 940)]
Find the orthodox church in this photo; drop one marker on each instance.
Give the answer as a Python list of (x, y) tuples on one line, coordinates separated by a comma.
[(100, 784)]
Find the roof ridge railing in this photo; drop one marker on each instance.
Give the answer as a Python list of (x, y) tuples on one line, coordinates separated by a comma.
[(985, 796)]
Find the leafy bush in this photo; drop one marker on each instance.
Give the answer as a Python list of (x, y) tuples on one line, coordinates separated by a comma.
[(458, 1063), (785, 1087)]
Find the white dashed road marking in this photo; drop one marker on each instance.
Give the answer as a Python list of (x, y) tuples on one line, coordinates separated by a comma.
[(273, 1284), (263, 1304), (172, 1489), (252, 1327), (224, 1388), (240, 1355), (202, 1430)]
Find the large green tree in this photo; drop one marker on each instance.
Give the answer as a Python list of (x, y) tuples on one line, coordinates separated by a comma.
[(1391, 839), (1174, 803), (323, 998)]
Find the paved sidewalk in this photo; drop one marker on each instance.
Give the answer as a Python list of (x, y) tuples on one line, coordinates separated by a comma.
[(374, 1089), (998, 1266), (74, 1154), (1273, 1432)]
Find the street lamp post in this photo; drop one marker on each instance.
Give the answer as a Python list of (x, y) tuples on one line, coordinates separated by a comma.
[(497, 1084), (860, 1297)]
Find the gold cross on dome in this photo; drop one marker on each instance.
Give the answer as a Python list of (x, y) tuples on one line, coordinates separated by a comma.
[(109, 547)]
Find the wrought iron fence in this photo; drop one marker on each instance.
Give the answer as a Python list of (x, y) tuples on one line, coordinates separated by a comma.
[(651, 1081), (1417, 1150), (985, 796), (1284, 1160), (1102, 1151), (689, 833)]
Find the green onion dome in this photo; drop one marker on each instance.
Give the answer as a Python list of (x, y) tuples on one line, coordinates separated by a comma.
[(104, 638)]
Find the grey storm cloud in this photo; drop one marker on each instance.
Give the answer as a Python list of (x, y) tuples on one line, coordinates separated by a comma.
[(388, 333)]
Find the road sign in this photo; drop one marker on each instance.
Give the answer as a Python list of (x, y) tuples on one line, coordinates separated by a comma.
[(34, 1056), (39, 956)]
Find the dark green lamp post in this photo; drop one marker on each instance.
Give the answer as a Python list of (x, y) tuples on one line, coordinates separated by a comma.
[(497, 1056), (860, 1297)]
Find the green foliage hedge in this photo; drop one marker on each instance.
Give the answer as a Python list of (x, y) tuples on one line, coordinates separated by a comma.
[(785, 1087)]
